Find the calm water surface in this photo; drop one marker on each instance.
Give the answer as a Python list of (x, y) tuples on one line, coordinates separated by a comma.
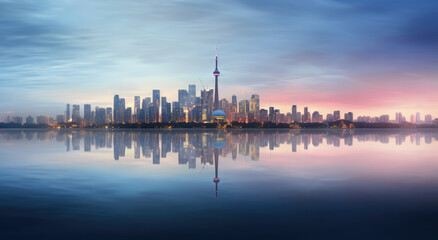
[(190, 184)]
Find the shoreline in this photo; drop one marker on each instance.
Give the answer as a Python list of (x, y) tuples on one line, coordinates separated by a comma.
[(217, 129)]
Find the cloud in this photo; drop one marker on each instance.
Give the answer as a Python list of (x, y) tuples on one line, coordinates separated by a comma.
[(63, 51)]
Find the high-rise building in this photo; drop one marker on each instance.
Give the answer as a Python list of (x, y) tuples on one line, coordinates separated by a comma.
[(192, 90), (109, 115), (337, 115), (299, 117), (192, 94), (116, 109), (306, 116), (122, 109), (418, 118), (272, 114), (207, 104), (128, 115), (316, 117), (195, 114), (294, 113), (166, 114), (398, 117), (216, 74), (365, 119), (244, 107), (156, 103), (183, 98), (101, 116), (329, 117), (263, 115), (150, 113), (87, 113), (176, 112), (384, 118), (119, 109), (145, 103), (428, 118), (60, 118), (348, 116), (67, 113), (234, 103), (76, 116), (29, 120), (255, 104), (136, 104), (46, 119)]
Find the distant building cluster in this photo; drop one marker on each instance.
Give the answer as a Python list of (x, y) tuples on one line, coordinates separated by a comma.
[(205, 108), (191, 107)]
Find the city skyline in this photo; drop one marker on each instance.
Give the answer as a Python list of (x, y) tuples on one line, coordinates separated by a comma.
[(54, 53), (232, 119), (184, 110), (191, 108)]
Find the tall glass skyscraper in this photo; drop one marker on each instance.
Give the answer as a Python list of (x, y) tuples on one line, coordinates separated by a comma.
[(156, 103)]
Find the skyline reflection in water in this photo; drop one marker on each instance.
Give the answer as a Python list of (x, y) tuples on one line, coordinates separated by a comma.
[(189, 144), (183, 183)]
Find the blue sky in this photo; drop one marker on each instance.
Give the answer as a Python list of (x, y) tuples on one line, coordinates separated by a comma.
[(367, 56)]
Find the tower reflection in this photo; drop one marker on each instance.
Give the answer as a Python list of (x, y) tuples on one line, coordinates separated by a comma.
[(204, 147), (218, 144)]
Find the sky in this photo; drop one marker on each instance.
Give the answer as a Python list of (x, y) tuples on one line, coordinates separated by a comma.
[(370, 57)]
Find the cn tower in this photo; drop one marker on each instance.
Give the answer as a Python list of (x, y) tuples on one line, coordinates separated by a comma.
[(216, 74)]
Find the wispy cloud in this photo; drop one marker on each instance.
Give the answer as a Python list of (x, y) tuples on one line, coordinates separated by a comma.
[(84, 51)]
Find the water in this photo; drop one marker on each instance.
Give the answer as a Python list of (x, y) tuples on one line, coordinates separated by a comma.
[(158, 184)]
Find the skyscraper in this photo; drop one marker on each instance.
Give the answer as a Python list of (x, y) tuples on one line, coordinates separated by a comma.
[(234, 103), (145, 103), (183, 98), (176, 112), (271, 114), (418, 118), (109, 115), (101, 116), (207, 104), (255, 103), (29, 120), (336, 115), (87, 113), (244, 107), (428, 118), (216, 74), (136, 104), (76, 116), (306, 116), (166, 113), (156, 102), (117, 112), (398, 117), (67, 113), (316, 117), (128, 115), (294, 113), (349, 116), (192, 94)]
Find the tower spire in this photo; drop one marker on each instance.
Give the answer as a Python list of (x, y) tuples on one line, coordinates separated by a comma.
[(216, 74)]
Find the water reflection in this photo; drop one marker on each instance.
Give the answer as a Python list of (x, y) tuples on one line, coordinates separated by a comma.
[(193, 144), (315, 184)]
